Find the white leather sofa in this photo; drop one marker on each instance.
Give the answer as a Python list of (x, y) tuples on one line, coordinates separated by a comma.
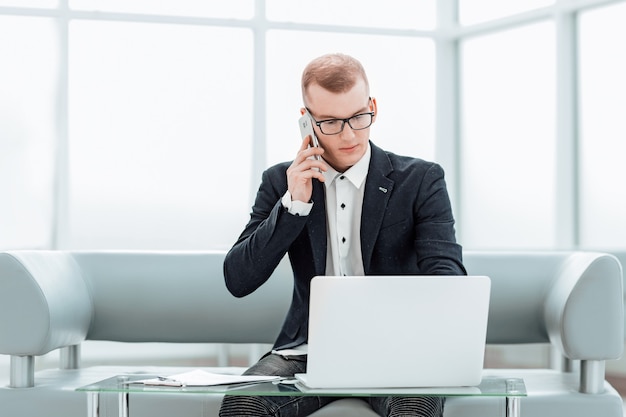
[(54, 300)]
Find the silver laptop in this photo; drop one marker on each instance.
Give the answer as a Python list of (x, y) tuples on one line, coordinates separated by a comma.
[(396, 331)]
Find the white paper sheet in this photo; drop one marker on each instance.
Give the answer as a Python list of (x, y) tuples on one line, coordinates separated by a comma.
[(200, 378)]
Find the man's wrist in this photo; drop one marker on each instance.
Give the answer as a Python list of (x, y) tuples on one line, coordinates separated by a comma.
[(296, 207)]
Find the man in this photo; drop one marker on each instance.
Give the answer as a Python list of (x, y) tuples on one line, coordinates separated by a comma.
[(355, 210)]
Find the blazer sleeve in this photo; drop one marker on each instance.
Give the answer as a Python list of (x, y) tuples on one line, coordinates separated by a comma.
[(435, 242), (265, 239)]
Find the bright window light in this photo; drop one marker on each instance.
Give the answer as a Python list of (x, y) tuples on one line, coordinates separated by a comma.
[(478, 11), (160, 135), (236, 9), (30, 3), (27, 130), (508, 140), (603, 127), (396, 14)]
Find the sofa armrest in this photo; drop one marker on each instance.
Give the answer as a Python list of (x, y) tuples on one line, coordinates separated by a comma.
[(44, 302), (584, 310)]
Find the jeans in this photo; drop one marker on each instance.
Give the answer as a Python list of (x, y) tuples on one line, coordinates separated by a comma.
[(296, 406)]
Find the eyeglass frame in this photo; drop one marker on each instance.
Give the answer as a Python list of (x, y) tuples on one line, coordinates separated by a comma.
[(343, 121)]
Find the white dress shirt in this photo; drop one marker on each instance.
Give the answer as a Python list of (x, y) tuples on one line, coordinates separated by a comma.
[(344, 205)]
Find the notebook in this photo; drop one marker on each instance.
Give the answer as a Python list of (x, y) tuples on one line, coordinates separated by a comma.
[(396, 331)]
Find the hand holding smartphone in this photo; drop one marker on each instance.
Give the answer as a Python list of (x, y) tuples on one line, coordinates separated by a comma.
[(306, 129)]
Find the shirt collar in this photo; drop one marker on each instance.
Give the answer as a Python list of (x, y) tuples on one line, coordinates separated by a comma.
[(356, 174)]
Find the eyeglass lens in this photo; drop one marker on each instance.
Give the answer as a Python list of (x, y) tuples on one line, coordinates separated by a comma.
[(358, 122)]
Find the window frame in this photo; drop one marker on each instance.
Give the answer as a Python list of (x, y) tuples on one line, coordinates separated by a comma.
[(447, 35)]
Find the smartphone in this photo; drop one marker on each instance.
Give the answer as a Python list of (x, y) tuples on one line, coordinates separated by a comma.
[(306, 129)]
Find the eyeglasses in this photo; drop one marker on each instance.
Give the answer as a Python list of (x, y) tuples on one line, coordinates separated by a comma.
[(335, 126)]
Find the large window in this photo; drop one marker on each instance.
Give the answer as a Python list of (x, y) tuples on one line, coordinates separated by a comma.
[(603, 128), (30, 3), (160, 128), (29, 75), (135, 124), (508, 174), (395, 14), (161, 116), (235, 9), (479, 11)]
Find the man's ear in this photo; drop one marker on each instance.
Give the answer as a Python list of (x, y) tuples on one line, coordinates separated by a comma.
[(374, 108)]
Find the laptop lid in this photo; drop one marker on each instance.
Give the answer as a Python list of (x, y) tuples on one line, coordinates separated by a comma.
[(396, 331)]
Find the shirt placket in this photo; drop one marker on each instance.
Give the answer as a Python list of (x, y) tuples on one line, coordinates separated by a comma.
[(344, 223)]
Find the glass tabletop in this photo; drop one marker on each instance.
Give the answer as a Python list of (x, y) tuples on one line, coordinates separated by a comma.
[(489, 387)]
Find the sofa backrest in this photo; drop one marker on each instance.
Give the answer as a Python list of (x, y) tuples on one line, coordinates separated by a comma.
[(571, 299), (178, 297), (519, 285)]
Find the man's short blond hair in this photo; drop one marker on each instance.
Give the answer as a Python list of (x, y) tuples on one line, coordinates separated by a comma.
[(336, 73)]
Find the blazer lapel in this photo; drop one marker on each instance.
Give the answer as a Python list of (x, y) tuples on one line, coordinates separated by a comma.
[(378, 189)]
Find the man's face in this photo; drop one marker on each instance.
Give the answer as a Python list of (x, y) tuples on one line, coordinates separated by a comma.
[(344, 149)]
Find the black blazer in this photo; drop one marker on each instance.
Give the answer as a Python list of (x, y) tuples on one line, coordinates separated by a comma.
[(407, 228)]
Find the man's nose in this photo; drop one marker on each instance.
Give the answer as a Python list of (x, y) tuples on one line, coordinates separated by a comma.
[(347, 132)]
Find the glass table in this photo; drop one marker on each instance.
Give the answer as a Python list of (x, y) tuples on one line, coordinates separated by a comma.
[(512, 389)]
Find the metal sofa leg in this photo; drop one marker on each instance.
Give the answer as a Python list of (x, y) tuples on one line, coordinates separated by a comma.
[(69, 357), (558, 362), (22, 372), (592, 374), (223, 355)]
